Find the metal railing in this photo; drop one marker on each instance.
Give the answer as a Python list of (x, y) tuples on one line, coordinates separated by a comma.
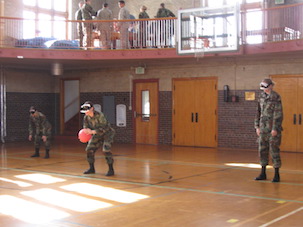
[(276, 24), (120, 34)]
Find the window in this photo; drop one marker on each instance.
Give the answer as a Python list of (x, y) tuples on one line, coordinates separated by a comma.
[(45, 18)]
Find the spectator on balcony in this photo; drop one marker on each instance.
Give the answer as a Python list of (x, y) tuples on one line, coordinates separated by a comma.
[(104, 27), (143, 25), (123, 26), (78, 16), (87, 15), (132, 31), (166, 31), (163, 12)]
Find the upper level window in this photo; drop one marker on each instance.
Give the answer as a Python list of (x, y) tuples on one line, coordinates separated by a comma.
[(41, 18)]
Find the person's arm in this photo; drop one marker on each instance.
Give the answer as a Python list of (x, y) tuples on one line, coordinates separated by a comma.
[(277, 115), (257, 119)]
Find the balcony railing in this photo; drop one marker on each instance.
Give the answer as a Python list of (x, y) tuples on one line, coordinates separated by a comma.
[(276, 24)]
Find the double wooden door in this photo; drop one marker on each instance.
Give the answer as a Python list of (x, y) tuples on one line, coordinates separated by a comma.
[(291, 90), (195, 112)]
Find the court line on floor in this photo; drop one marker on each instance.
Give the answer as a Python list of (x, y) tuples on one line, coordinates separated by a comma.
[(158, 186), (281, 217)]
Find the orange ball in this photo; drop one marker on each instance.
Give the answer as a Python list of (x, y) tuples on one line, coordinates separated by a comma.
[(83, 136)]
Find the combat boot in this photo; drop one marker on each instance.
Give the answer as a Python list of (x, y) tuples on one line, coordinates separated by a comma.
[(46, 154), (262, 175), (91, 169), (36, 154), (277, 176), (111, 171)]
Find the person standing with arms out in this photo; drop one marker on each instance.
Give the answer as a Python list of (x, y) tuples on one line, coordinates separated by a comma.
[(123, 25), (78, 16), (104, 27), (102, 133), (143, 26), (40, 129), (268, 125), (87, 15)]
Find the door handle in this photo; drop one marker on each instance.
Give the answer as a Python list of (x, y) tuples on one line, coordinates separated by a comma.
[(300, 118), (192, 117), (197, 117), (295, 119)]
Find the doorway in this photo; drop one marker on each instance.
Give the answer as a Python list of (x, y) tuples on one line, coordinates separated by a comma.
[(146, 111), (290, 88), (70, 104), (195, 102)]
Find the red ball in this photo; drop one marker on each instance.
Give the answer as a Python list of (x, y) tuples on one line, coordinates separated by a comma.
[(83, 136)]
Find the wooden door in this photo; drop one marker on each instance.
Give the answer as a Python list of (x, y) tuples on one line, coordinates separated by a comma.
[(194, 112), (206, 113), (184, 112), (300, 115), (146, 112), (291, 90)]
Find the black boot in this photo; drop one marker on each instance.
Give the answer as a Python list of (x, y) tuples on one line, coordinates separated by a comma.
[(277, 176), (91, 169), (262, 175), (36, 154), (111, 171), (46, 154), (110, 162)]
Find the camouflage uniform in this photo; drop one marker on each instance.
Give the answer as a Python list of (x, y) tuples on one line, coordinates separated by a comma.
[(87, 14), (104, 136), (78, 16), (269, 117), (38, 127)]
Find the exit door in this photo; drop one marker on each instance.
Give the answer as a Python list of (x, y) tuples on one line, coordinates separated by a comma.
[(146, 111)]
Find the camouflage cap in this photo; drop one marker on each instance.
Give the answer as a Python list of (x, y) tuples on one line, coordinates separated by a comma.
[(32, 109), (266, 83), (86, 106)]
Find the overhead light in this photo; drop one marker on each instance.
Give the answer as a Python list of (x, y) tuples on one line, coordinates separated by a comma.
[(20, 57), (57, 69)]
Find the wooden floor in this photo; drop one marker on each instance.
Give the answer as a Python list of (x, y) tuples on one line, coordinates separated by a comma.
[(159, 186)]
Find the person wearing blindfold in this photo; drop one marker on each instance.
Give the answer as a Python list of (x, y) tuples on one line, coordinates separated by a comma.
[(40, 130), (268, 125), (96, 124)]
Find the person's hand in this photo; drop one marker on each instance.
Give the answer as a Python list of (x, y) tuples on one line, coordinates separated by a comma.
[(44, 138), (258, 131), (30, 137), (274, 133), (89, 131)]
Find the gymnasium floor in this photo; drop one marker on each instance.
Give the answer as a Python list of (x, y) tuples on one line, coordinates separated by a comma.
[(159, 186)]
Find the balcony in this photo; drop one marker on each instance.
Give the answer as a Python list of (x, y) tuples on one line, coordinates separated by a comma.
[(280, 31)]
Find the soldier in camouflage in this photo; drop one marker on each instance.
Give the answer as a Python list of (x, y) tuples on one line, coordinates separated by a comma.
[(102, 133), (87, 15), (41, 130), (78, 16), (268, 125)]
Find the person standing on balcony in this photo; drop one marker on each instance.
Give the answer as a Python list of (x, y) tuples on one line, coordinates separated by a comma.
[(163, 12), (40, 129), (96, 124), (87, 15), (268, 125), (143, 25), (123, 25), (78, 16), (166, 30), (104, 27)]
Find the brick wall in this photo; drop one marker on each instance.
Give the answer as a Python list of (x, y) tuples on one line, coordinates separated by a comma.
[(18, 112), (236, 122)]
